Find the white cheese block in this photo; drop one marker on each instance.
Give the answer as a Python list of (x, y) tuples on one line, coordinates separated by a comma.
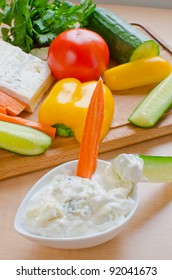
[(23, 75)]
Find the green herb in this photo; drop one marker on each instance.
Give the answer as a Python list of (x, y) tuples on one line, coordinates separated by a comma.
[(35, 23)]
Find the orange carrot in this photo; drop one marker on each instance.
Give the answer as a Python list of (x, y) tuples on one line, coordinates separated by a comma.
[(13, 106), (51, 131), (91, 136), (2, 110)]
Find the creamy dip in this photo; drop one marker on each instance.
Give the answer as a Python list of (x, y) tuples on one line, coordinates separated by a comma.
[(70, 206)]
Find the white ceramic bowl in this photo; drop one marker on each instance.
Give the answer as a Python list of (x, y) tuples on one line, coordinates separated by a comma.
[(69, 243)]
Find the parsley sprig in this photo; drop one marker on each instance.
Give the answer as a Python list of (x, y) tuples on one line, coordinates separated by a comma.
[(35, 23)]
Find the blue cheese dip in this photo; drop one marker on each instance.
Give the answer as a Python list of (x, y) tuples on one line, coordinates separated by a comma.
[(70, 206)]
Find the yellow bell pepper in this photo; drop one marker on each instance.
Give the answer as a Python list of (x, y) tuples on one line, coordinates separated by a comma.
[(67, 104), (137, 73)]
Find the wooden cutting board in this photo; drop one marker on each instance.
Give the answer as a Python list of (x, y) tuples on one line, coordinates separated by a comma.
[(121, 133)]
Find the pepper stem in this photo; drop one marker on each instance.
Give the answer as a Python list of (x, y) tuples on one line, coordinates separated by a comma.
[(63, 130)]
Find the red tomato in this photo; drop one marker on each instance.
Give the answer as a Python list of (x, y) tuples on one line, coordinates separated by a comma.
[(78, 53)]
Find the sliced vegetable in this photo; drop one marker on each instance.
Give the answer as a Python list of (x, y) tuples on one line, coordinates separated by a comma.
[(78, 53), (157, 169), (67, 104), (92, 131), (2, 110), (23, 140), (13, 106), (51, 131), (137, 73), (154, 105), (125, 42)]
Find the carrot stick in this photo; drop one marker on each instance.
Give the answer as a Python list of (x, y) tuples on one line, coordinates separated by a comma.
[(13, 106), (91, 136), (3, 110), (51, 131)]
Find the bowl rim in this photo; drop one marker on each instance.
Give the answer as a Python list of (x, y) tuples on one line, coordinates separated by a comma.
[(22, 231)]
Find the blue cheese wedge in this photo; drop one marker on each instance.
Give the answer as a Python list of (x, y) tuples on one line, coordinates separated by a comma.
[(23, 75)]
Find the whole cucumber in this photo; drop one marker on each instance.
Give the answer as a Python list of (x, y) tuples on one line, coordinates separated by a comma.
[(126, 43)]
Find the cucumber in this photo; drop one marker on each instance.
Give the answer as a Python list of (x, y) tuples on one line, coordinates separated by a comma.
[(154, 105), (157, 169), (126, 43), (23, 140)]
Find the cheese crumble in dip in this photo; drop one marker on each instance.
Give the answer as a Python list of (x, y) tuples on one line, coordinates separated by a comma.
[(70, 206)]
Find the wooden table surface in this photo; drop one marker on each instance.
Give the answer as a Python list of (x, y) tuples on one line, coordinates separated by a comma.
[(148, 236)]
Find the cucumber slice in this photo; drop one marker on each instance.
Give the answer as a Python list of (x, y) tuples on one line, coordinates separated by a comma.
[(157, 169), (23, 140), (154, 105)]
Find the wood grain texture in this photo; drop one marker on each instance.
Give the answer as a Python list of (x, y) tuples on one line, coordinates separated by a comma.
[(121, 134)]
